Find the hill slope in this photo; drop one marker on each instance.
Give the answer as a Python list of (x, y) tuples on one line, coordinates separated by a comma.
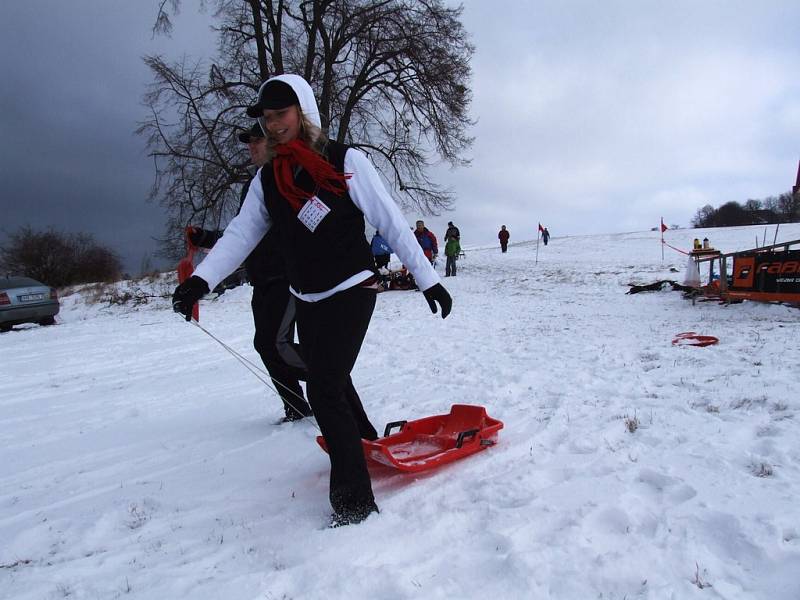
[(142, 461)]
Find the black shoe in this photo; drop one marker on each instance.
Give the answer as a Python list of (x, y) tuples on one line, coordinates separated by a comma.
[(352, 517), (290, 417), (294, 415)]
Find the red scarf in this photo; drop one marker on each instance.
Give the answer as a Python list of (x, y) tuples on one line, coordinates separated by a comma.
[(294, 153)]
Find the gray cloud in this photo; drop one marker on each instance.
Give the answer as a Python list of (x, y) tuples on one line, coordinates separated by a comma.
[(592, 116), (604, 116), (71, 100)]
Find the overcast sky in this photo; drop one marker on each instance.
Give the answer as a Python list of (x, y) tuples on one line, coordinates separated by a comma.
[(592, 116)]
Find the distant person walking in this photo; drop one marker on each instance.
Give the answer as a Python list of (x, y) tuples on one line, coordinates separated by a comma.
[(545, 236), (503, 236), (451, 250)]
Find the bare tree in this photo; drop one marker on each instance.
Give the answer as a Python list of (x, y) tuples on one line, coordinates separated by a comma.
[(752, 205), (789, 207), (392, 78), (704, 217), (57, 258)]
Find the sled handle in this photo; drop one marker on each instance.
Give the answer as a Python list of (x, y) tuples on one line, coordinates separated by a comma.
[(466, 434), (392, 425)]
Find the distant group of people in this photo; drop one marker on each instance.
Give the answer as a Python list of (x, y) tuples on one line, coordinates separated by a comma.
[(427, 241), (430, 245)]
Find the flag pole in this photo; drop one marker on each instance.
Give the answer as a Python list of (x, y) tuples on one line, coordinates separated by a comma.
[(662, 239), (538, 235)]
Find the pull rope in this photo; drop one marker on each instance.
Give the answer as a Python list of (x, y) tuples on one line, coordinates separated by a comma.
[(259, 373), (674, 248)]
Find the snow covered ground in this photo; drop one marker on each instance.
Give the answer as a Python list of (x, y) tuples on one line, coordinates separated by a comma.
[(140, 460)]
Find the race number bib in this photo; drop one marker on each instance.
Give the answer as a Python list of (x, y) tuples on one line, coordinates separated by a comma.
[(313, 212)]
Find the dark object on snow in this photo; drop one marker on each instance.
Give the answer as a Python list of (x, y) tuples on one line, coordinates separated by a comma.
[(433, 441), (658, 286), (396, 280)]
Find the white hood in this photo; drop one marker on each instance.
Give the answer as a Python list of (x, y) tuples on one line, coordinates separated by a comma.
[(308, 103)]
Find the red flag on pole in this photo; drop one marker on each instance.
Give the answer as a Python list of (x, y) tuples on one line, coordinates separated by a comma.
[(663, 227), (186, 268), (541, 228)]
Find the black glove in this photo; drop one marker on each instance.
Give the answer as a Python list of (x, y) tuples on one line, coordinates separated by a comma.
[(438, 294), (195, 234), (203, 238), (187, 294)]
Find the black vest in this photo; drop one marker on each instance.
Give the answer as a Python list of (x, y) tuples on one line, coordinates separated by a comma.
[(336, 250)]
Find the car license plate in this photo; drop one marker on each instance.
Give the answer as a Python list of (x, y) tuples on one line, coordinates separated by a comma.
[(31, 297)]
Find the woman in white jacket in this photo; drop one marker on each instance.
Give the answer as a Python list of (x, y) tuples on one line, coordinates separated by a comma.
[(316, 194)]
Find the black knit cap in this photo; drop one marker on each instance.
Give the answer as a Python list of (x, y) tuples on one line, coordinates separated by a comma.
[(275, 94), (247, 136)]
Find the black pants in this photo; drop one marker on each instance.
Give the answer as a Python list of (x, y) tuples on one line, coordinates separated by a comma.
[(382, 260), (504, 246), (274, 317), (331, 333)]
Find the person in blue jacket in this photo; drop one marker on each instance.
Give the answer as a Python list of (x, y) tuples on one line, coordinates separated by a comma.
[(380, 250)]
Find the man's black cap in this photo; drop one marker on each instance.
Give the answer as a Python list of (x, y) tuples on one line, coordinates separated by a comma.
[(254, 132)]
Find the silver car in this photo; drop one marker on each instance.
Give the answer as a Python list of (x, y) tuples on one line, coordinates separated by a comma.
[(25, 300)]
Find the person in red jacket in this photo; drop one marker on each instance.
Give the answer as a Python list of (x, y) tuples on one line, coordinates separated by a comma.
[(503, 235), (426, 239)]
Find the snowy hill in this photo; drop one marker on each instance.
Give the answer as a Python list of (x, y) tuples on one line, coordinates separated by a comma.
[(140, 460)]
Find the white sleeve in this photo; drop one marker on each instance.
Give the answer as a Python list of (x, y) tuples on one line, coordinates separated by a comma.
[(240, 237), (370, 196)]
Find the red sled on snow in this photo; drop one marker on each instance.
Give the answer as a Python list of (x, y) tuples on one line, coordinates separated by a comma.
[(433, 441)]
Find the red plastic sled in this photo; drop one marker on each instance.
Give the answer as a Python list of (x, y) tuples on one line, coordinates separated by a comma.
[(433, 441), (690, 338)]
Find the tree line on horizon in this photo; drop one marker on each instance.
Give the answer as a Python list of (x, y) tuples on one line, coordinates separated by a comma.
[(784, 208)]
